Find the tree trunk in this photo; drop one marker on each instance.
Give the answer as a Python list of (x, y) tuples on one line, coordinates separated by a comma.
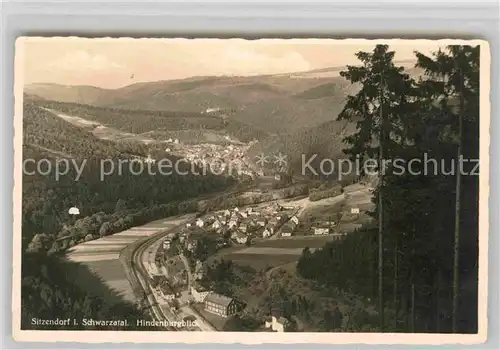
[(371, 252), (380, 211), (438, 301), (456, 245), (405, 307), (412, 313), (395, 286)]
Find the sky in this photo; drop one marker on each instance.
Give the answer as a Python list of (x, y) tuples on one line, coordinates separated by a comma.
[(113, 63)]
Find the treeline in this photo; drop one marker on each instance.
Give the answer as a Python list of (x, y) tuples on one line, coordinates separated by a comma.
[(103, 224), (109, 206), (420, 264)]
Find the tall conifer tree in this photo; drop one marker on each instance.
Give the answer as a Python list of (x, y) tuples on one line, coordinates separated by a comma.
[(377, 108)]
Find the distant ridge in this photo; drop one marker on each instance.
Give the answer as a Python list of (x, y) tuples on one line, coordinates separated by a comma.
[(273, 103)]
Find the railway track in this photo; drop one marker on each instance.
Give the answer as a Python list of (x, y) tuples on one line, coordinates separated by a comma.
[(140, 276)]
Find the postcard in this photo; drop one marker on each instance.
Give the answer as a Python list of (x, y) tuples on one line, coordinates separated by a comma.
[(251, 191)]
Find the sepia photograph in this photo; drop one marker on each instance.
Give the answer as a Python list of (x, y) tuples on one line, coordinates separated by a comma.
[(309, 190)]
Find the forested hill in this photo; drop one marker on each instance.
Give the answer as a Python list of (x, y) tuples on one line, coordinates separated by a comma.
[(160, 125), (48, 133), (106, 206), (49, 287), (276, 104), (318, 143)]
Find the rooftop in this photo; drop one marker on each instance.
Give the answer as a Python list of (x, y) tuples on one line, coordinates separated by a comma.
[(218, 299)]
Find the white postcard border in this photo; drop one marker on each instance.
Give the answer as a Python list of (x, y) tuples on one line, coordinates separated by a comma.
[(261, 337)]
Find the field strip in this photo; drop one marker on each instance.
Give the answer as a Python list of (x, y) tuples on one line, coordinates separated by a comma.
[(148, 228), (136, 233), (102, 241), (96, 248), (93, 257), (98, 244)]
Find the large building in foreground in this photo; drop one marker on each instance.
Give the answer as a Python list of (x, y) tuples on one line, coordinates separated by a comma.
[(220, 305)]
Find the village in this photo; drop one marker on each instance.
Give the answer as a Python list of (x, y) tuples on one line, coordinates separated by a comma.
[(228, 157), (175, 264)]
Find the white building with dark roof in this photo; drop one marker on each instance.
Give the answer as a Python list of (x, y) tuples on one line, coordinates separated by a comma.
[(321, 230)]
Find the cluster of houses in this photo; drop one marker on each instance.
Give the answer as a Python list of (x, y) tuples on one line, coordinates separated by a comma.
[(330, 227), (225, 306), (185, 241), (263, 222), (244, 223), (162, 286), (216, 158)]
